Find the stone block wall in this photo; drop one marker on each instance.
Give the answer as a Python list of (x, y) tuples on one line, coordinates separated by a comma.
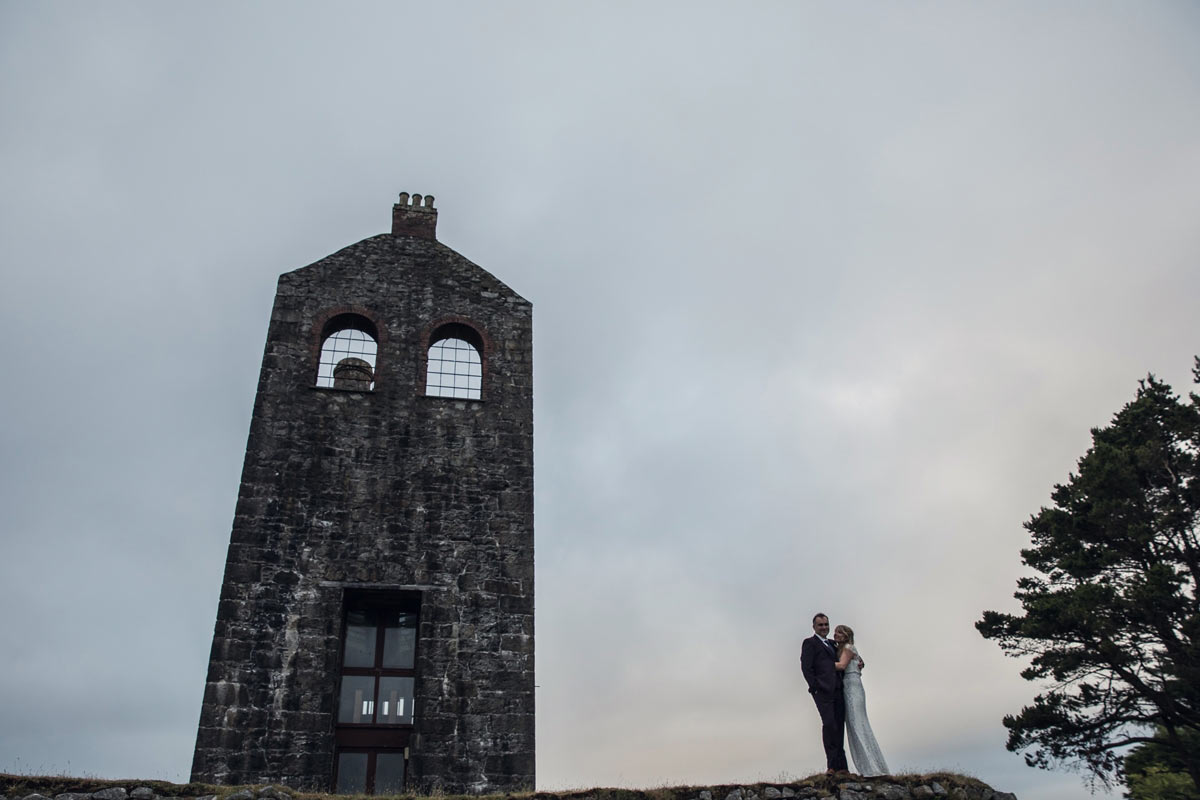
[(381, 491)]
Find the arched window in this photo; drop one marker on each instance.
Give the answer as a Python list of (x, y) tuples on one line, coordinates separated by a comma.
[(455, 367), (348, 351)]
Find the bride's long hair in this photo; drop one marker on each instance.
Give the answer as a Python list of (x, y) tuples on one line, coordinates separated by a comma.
[(846, 631)]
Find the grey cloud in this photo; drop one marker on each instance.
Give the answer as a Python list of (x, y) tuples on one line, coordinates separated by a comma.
[(826, 300)]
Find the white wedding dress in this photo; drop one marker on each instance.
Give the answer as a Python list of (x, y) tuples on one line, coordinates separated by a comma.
[(868, 759)]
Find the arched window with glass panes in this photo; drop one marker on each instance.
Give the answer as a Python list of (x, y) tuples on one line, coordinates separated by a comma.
[(454, 365), (349, 351)]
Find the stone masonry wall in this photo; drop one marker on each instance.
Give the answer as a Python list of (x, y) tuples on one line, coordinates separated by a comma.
[(381, 490)]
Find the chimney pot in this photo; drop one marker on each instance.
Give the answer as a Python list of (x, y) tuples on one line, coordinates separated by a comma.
[(415, 215)]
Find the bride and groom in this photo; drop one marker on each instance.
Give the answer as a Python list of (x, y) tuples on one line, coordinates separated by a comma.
[(833, 672)]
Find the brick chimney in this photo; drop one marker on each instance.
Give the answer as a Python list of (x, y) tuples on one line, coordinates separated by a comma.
[(415, 216)]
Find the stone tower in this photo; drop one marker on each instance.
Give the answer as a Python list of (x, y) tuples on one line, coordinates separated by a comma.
[(375, 627)]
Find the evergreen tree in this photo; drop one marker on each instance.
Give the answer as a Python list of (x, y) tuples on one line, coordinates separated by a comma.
[(1111, 617), (1156, 772)]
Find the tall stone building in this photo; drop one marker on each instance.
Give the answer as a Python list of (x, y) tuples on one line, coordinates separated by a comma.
[(375, 627)]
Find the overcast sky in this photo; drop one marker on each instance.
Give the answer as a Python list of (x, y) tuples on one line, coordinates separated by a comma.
[(827, 297)]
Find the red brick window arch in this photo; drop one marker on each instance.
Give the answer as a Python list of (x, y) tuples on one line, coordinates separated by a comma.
[(349, 351), (454, 366)]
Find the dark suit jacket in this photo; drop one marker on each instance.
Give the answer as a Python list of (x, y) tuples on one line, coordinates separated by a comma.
[(816, 662)]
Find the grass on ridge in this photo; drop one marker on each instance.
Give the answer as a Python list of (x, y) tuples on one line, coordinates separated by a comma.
[(15, 787)]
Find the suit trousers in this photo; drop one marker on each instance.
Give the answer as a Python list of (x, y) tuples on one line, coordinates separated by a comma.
[(832, 708)]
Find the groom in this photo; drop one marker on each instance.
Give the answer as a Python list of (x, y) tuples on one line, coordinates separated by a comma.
[(817, 657)]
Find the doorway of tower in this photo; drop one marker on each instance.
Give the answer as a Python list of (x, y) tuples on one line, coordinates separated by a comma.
[(375, 696)]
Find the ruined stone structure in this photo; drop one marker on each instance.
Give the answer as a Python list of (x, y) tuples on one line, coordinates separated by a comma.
[(375, 627)]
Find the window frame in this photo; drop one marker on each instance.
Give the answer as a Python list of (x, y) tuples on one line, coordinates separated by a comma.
[(377, 670), (375, 737), (455, 327), (338, 319), (372, 754)]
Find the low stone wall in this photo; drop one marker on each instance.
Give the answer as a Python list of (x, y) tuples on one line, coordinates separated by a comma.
[(929, 787)]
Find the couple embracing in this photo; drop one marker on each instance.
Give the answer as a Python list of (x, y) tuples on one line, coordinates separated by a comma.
[(833, 670)]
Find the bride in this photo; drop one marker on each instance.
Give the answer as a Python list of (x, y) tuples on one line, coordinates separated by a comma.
[(868, 759)]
